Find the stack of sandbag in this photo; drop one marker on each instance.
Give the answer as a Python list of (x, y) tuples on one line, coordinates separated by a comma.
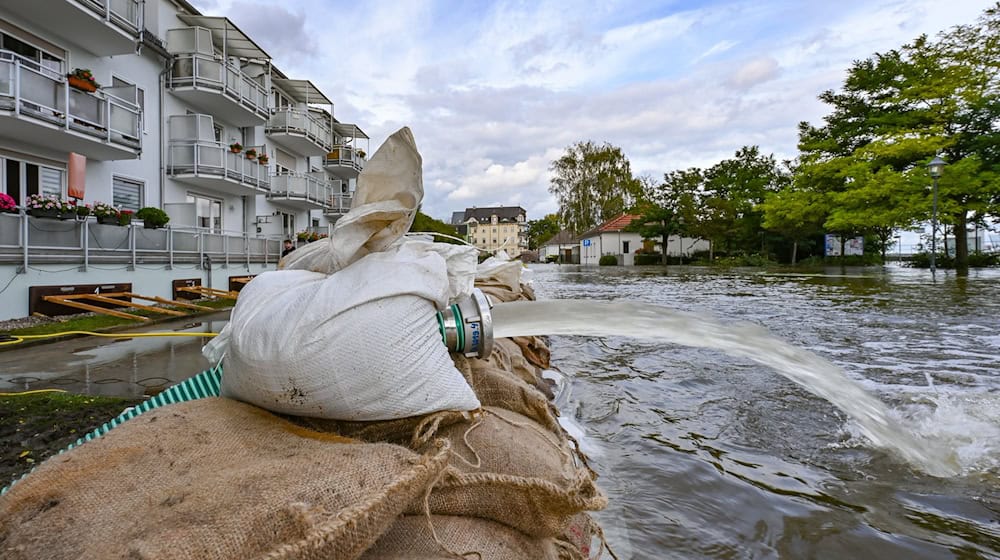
[(214, 479)]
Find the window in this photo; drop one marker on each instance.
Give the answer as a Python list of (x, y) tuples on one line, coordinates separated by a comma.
[(21, 179), (287, 225), (625, 247), (208, 212), (126, 193), (34, 54)]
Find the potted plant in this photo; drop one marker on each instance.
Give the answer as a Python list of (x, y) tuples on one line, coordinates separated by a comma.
[(251, 153), (44, 206), (262, 159), (236, 147), (302, 236), (82, 79), (125, 217), (7, 203), (361, 154), (152, 218), (82, 211), (105, 213)]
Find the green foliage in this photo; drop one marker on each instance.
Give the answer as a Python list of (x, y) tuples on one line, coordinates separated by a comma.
[(540, 231), (608, 260), (657, 222), (895, 111), (648, 258), (592, 184), (426, 224), (153, 216), (976, 260)]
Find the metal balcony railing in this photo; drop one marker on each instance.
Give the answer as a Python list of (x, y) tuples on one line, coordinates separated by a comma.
[(204, 158), (26, 240), (209, 72), (126, 14), (344, 156), (303, 186), (33, 91), (339, 203), (288, 120)]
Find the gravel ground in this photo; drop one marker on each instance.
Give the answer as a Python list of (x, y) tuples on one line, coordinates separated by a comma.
[(25, 322)]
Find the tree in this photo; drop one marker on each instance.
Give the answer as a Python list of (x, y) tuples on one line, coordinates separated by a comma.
[(657, 221), (896, 111), (541, 230), (424, 223), (592, 184)]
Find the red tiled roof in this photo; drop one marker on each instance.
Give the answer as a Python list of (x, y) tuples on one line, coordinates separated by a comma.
[(614, 224)]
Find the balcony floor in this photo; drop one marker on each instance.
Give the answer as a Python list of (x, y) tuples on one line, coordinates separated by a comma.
[(221, 107), (294, 200), (37, 131), (296, 142), (343, 170), (216, 183), (72, 21)]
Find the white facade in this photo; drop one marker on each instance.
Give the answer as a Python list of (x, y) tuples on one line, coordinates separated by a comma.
[(622, 244), (177, 89)]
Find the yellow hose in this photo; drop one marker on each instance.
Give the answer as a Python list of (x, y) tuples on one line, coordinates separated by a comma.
[(19, 338), (19, 393)]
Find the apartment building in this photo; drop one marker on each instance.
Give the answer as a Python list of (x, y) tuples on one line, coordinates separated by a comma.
[(494, 228), (185, 107)]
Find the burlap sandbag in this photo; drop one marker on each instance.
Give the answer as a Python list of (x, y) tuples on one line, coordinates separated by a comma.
[(496, 387), (400, 431), (510, 469), (410, 538), (213, 478)]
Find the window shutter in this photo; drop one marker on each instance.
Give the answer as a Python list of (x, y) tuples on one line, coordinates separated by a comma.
[(51, 181), (126, 194)]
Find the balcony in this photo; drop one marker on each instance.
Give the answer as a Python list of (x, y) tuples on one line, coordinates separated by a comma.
[(103, 125), (304, 191), (344, 161), (339, 204), (302, 131), (215, 84), (102, 27), (195, 157)]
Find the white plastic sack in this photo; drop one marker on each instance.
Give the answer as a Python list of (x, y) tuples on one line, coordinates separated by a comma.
[(389, 190), (362, 344), (499, 269), (347, 330)]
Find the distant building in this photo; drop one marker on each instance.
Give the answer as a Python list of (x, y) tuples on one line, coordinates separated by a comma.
[(495, 228), (562, 247), (610, 238)]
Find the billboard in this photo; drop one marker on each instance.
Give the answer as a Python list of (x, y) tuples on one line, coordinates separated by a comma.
[(854, 246)]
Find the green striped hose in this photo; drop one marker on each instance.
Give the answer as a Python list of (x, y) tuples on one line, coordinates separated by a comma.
[(205, 384)]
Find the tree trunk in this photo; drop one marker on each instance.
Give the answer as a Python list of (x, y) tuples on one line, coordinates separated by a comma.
[(795, 251), (961, 244), (843, 245), (711, 251), (666, 239)]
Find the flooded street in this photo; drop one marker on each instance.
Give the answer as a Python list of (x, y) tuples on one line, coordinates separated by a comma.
[(704, 455)]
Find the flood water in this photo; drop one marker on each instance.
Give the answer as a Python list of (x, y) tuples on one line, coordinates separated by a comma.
[(704, 455)]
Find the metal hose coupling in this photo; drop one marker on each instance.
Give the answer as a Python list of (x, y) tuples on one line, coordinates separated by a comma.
[(467, 326)]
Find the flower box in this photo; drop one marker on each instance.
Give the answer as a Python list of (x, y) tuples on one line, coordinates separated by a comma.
[(81, 84), (108, 220), (47, 213)]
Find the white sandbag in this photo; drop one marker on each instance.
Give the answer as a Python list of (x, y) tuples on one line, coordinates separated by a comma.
[(500, 269), (389, 190), (362, 344)]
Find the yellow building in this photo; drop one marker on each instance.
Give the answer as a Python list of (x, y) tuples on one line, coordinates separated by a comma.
[(495, 228)]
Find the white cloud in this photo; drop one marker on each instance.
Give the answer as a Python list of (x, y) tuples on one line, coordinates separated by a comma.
[(494, 92)]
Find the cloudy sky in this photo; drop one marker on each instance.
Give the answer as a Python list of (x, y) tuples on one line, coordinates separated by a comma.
[(495, 91)]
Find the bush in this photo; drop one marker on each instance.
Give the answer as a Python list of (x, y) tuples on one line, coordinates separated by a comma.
[(608, 260), (153, 217), (552, 258), (648, 258), (976, 260)]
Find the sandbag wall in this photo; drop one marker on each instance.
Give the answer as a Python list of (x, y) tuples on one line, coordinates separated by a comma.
[(220, 479)]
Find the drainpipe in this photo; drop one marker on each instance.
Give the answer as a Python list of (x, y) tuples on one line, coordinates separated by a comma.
[(163, 133)]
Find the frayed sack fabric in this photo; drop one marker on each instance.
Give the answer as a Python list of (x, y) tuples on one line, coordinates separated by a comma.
[(499, 388), (213, 479), (509, 469), (410, 538)]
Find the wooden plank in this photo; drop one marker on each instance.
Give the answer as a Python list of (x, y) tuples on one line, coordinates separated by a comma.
[(103, 299), (37, 303), (61, 300), (179, 303), (210, 292)]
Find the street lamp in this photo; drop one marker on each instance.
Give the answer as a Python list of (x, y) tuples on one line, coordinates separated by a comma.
[(899, 248), (934, 168)]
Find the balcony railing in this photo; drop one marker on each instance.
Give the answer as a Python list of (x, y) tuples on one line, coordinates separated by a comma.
[(205, 72), (211, 159), (32, 91), (299, 122), (26, 240), (126, 14), (303, 186), (344, 157), (339, 204)]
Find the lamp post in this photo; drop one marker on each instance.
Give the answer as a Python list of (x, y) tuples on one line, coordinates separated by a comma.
[(899, 248), (934, 168)]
